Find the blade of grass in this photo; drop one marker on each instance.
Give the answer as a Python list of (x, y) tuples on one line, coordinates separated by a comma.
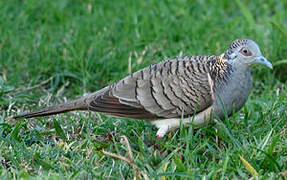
[(15, 132), (168, 157), (280, 62), (271, 158), (179, 165), (265, 141), (280, 28), (246, 13), (44, 164), (59, 130), (175, 174), (248, 166), (227, 131)]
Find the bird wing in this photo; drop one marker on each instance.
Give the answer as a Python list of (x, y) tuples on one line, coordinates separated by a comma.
[(163, 90)]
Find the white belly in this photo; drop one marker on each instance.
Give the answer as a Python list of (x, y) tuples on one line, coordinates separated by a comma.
[(165, 125)]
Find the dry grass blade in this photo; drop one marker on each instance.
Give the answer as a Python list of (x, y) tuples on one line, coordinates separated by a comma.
[(124, 140), (117, 156), (284, 173), (16, 91), (130, 159), (130, 64)]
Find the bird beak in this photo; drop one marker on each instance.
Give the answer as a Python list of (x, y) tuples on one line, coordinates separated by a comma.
[(264, 61)]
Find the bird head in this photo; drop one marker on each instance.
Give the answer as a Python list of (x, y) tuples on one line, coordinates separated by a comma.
[(244, 53)]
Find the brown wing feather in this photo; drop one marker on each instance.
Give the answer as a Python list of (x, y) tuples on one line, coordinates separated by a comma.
[(109, 104), (163, 90)]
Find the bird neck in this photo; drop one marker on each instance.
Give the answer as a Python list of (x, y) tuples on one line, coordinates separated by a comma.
[(220, 70)]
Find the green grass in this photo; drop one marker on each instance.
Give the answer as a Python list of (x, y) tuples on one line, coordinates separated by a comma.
[(51, 51)]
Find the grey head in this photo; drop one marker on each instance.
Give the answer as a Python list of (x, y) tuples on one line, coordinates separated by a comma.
[(242, 53)]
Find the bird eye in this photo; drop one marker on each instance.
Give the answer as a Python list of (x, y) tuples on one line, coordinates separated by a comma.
[(245, 52)]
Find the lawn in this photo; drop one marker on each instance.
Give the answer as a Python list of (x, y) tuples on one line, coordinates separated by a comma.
[(54, 51)]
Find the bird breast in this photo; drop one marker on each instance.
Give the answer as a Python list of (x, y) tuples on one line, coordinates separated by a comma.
[(231, 95)]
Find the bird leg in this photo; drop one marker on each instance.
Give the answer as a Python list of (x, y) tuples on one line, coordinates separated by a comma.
[(165, 125), (162, 130)]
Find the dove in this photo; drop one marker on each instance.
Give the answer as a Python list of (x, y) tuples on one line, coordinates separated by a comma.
[(184, 90)]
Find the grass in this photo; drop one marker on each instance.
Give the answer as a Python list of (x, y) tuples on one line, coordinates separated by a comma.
[(51, 51)]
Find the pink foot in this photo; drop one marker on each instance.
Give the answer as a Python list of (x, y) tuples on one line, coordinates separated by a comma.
[(158, 137)]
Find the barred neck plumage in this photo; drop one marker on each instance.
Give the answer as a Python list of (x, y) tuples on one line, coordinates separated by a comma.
[(220, 70)]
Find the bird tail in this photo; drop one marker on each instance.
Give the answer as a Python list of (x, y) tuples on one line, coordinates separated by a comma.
[(78, 104)]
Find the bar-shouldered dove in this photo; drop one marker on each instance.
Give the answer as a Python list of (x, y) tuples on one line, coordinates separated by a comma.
[(189, 89)]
